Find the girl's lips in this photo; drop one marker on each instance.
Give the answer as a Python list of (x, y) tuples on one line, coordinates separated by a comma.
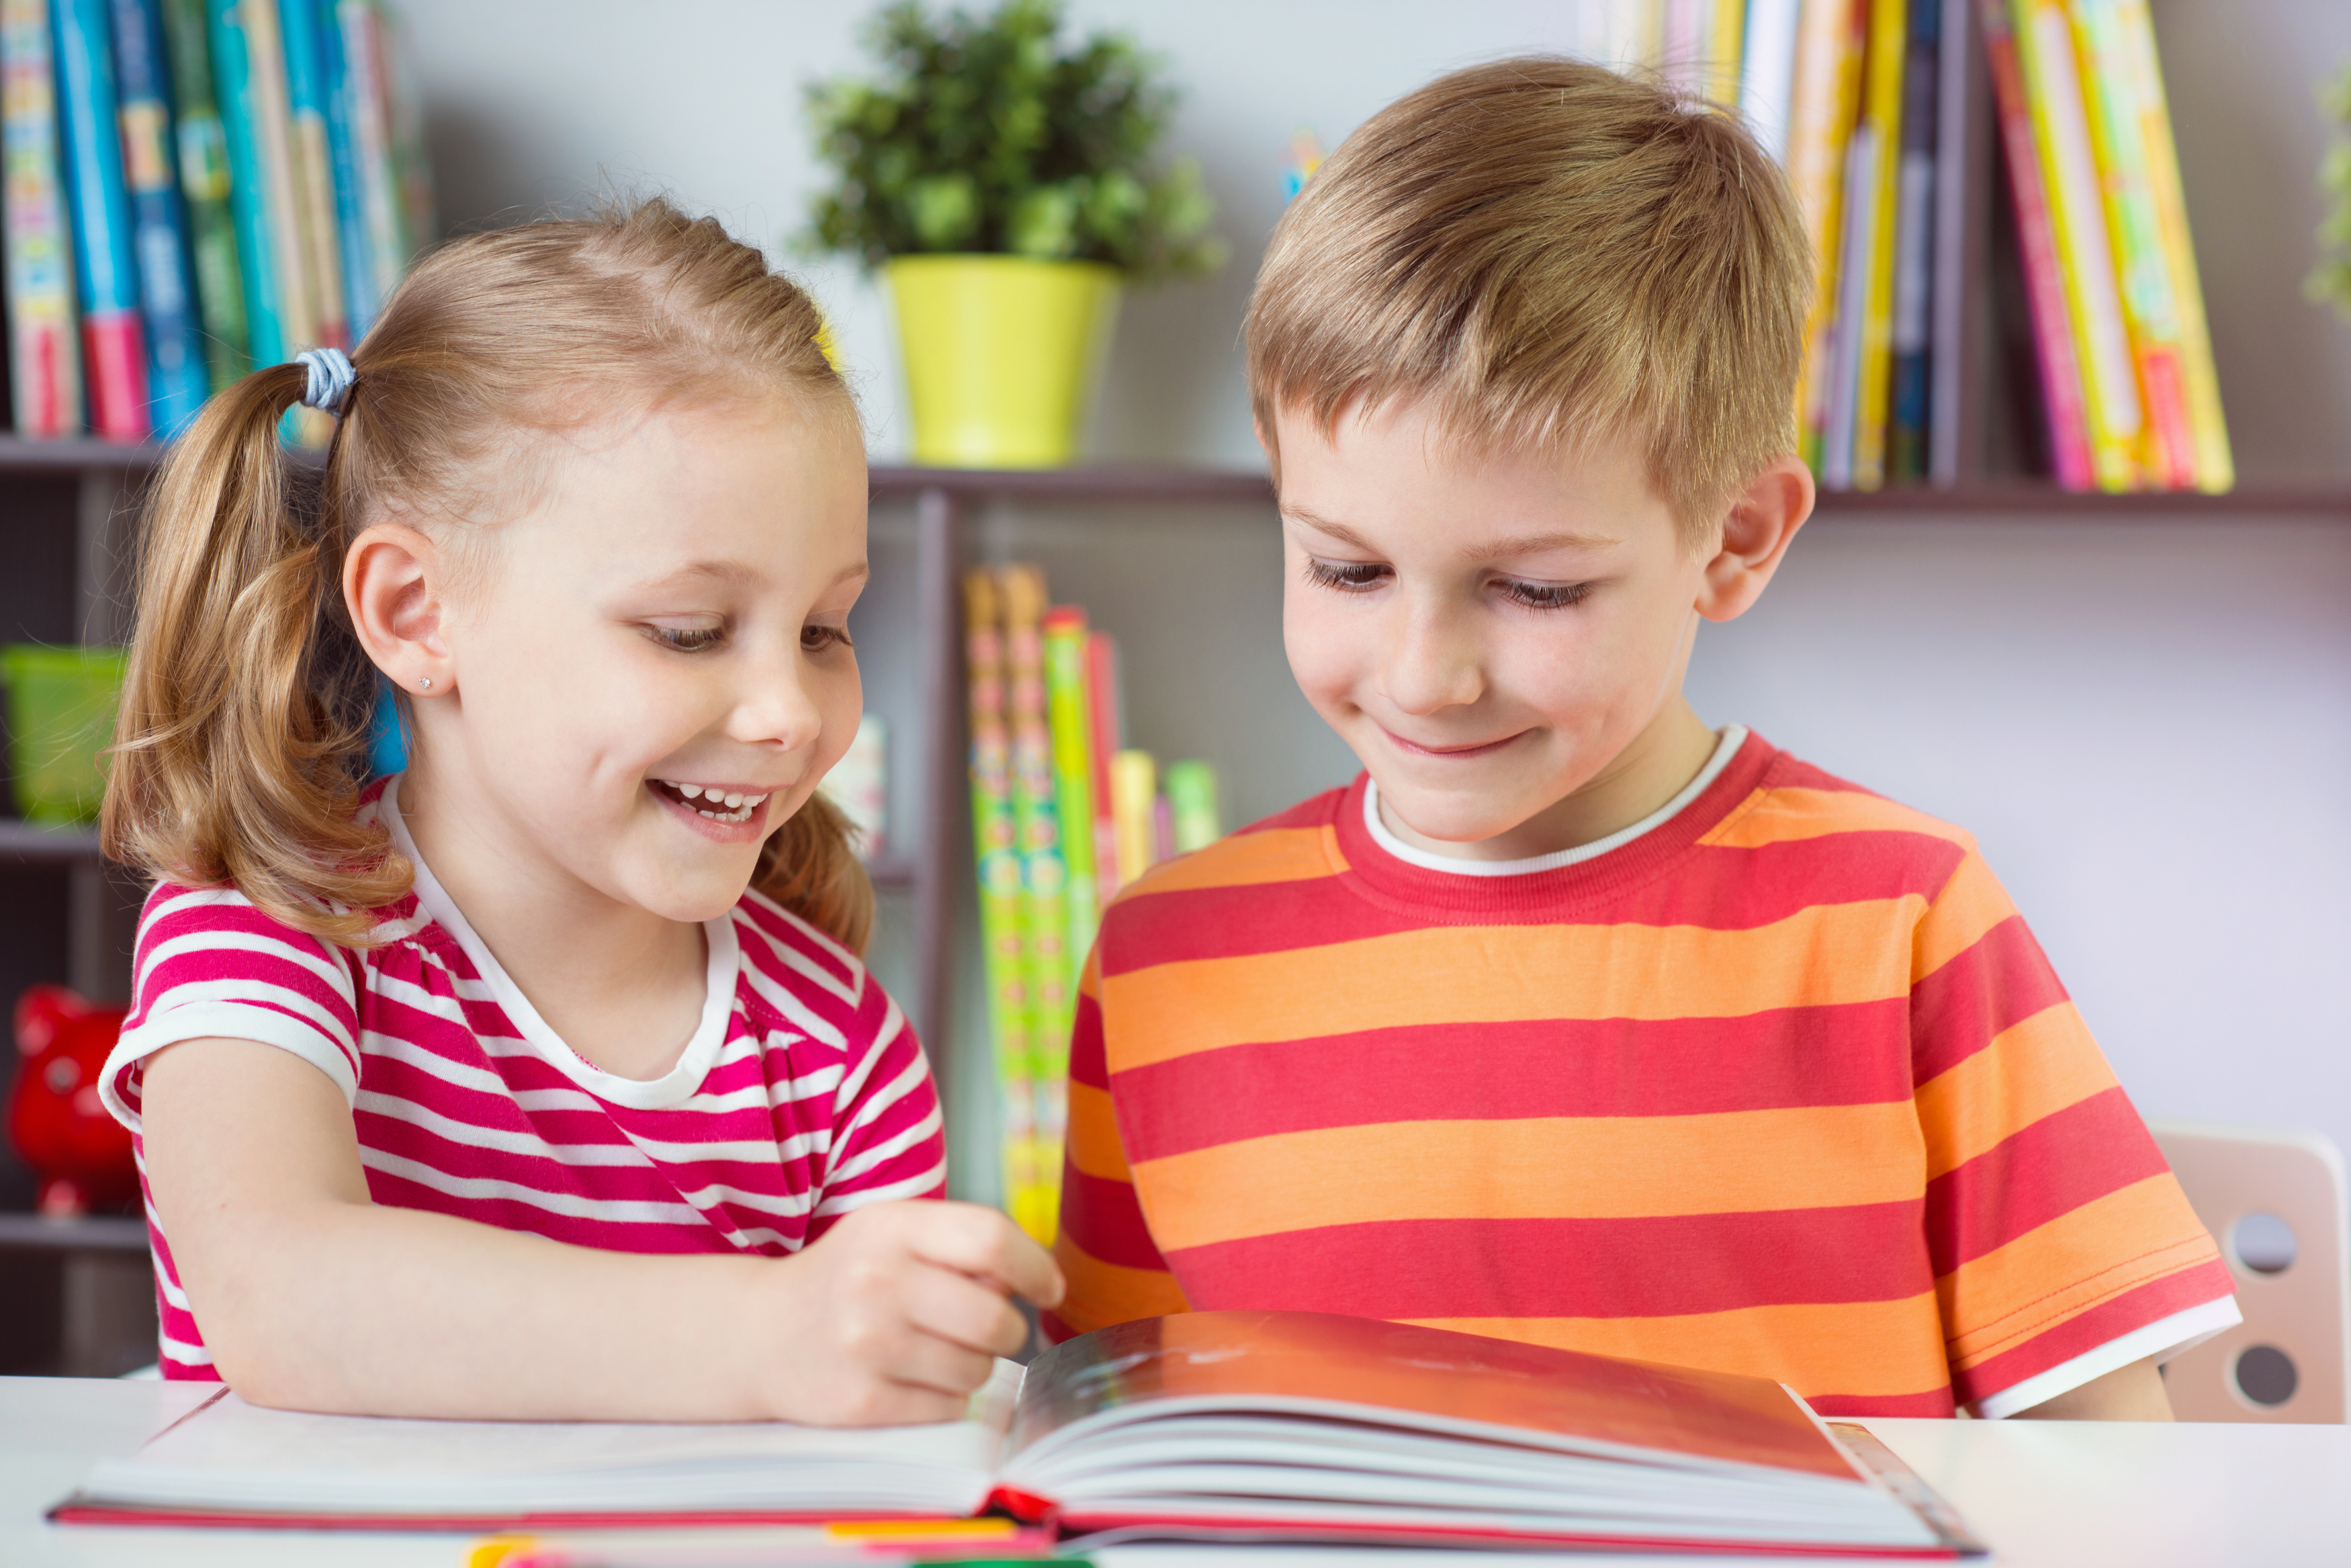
[(751, 830), (1415, 749)]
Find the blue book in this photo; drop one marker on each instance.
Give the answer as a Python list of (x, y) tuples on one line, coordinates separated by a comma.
[(248, 201), (310, 156), (363, 291), (113, 340), (178, 378)]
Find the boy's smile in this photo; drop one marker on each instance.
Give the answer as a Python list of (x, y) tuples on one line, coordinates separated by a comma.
[(1501, 638)]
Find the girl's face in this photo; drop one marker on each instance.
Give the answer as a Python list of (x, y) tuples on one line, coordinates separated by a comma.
[(651, 671)]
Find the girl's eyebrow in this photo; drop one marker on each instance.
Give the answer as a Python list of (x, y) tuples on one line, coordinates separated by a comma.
[(735, 574)]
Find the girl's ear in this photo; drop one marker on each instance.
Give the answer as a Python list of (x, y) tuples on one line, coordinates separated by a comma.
[(393, 588), (1762, 523)]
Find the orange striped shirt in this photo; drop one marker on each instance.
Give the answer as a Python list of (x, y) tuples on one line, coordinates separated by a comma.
[(1782, 1085)]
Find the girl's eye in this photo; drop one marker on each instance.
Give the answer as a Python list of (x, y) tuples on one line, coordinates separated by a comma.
[(687, 638), (817, 638), (1543, 595), (1347, 576)]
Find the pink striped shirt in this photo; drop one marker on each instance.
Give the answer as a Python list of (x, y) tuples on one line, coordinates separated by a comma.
[(802, 1094)]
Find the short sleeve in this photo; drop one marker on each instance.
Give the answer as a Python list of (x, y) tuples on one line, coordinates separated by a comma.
[(211, 965), (889, 1139), (2055, 1227), (1115, 1272)]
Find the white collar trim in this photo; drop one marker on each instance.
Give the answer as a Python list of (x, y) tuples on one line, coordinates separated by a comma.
[(1733, 737), (671, 1087)]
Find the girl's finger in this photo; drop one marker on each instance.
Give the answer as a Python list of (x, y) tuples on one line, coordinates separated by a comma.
[(963, 1311)]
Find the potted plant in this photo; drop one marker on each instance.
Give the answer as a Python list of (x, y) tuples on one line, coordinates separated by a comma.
[(2330, 280), (1006, 187)]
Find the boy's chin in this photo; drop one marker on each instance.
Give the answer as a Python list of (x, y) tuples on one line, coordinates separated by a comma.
[(1451, 824)]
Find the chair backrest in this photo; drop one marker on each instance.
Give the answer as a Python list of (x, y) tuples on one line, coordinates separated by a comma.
[(2274, 1200)]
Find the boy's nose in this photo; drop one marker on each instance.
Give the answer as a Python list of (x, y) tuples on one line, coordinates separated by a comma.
[(1430, 664)]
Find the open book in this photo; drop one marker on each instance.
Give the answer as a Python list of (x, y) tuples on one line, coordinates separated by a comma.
[(1227, 1424)]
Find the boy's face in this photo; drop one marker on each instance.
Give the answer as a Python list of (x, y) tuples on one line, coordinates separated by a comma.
[(1491, 634)]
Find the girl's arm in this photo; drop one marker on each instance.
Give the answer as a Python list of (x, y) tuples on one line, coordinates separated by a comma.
[(312, 1297)]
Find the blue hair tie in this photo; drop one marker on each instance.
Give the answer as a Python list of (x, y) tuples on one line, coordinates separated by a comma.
[(327, 377)]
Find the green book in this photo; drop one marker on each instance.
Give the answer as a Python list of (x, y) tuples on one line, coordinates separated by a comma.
[(1192, 802), (1067, 709), (1045, 890), (996, 843)]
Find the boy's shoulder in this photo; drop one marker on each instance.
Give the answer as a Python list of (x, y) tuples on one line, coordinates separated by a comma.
[(1791, 802)]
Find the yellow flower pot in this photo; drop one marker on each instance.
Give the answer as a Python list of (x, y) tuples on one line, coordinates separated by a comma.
[(1002, 354)]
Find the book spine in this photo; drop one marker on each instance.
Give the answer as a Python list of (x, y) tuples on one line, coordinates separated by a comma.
[(363, 286), (248, 197), (997, 846), (45, 360), (1821, 123), (1952, 414), (113, 338), (310, 168), (1682, 54), (379, 180), (2166, 447), (1068, 711), (1044, 888), (203, 149), (1888, 60), (1195, 821), (2053, 331), (1107, 733), (2069, 178), (2133, 57), (178, 379), (404, 114), (1914, 247), (1134, 786), (1846, 333), (273, 143), (1768, 72)]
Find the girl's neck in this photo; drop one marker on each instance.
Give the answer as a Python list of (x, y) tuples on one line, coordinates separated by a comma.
[(622, 985)]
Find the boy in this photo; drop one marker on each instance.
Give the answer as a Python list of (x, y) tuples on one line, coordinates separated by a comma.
[(1572, 1020)]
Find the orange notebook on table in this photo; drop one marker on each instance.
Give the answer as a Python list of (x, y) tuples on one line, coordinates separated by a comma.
[(1255, 1426)]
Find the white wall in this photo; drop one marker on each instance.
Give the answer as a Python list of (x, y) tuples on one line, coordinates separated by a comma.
[(2149, 725)]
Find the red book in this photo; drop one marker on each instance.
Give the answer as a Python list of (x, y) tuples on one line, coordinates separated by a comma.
[(1255, 1426), (1108, 724), (2044, 282)]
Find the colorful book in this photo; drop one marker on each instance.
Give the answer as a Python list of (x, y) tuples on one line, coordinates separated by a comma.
[(1881, 122), (1767, 76), (114, 337), (1249, 1425), (1830, 37), (44, 358), (1847, 332), (404, 113), (203, 147), (363, 289), (2130, 131), (2051, 73), (1044, 891), (1913, 246), (995, 842), (178, 377), (311, 167), (1726, 41), (234, 46), (375, 189), (1108, 731), (1069, 712), (1194, 820), (1134, 790)]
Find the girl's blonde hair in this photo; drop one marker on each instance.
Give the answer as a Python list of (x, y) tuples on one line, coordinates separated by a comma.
[(243, 739)]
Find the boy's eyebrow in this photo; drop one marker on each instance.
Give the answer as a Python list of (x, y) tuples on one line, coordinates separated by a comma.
[(1486, 550)]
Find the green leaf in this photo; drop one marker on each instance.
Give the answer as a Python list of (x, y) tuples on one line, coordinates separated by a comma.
[(1044, 223), (945, 211)]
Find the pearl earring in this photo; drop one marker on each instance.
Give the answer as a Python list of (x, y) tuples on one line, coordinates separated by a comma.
[(425, 682)]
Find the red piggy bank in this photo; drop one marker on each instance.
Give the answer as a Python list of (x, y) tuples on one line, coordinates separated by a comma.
[(81, 1154)]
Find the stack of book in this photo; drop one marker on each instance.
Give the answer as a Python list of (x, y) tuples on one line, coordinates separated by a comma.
[(1063, 815), (1855, 97), (194, 188)]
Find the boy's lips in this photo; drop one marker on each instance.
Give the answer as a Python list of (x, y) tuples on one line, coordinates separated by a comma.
[(1450, 754)]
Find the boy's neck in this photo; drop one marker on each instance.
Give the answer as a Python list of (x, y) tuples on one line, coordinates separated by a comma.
[(1650, 770)]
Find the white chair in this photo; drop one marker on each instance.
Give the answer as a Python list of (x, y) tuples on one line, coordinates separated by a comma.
[(2275, 1200)]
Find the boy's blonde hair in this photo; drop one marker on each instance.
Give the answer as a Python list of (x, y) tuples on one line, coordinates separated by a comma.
[(1549, 254), (244, 738)]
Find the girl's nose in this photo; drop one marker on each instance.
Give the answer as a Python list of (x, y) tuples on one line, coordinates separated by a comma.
[(776, 709), (1431, 662)]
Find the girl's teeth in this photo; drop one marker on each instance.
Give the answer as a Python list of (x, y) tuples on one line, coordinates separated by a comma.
[(691, 792), (734, 802)]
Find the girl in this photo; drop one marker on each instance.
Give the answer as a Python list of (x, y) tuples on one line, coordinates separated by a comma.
[(539, 1080)]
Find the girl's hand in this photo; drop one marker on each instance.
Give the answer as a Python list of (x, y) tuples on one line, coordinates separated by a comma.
[(896, 1313)]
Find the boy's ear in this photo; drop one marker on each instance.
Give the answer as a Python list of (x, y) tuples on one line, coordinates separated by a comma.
[(392, 587), (1756, 532)]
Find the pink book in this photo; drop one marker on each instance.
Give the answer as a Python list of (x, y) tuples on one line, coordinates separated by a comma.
[(2061, 372)]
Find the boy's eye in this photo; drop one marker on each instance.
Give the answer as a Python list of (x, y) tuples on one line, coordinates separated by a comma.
[(687, 638), (1347, 576), (1543, 595), (817, 638)]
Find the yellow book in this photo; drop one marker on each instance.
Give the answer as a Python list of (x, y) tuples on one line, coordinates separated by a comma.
[(2136, 63), (1823, 105), (1881, 119), (1133, 793), (2046, 60), (1725, 51)]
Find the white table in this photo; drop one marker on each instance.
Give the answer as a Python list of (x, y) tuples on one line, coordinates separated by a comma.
[(2041, 1493)]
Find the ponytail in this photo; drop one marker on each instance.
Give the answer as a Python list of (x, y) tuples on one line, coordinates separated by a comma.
[(241, 743)]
